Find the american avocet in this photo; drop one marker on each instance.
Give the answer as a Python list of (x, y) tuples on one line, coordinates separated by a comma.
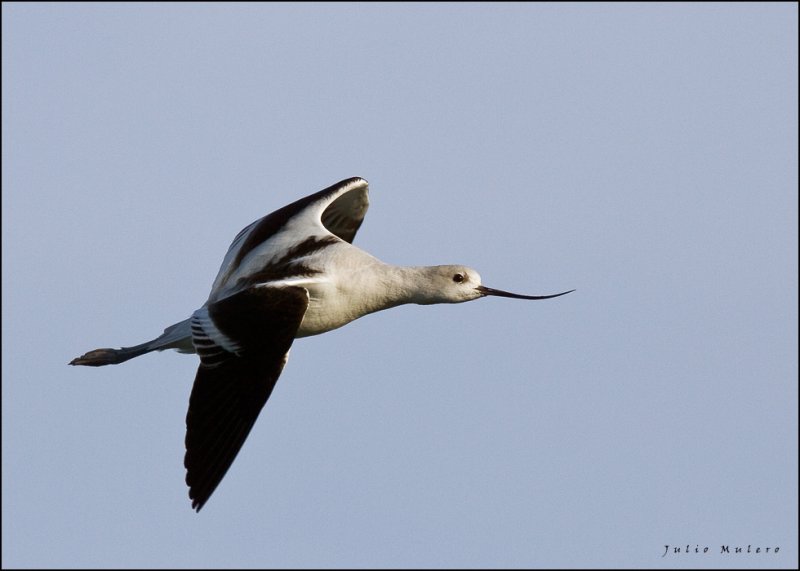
[(293, 273)]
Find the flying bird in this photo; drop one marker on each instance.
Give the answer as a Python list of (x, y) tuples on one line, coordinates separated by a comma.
[(293, 273)]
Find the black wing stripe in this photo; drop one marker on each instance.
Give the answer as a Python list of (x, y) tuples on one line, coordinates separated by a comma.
[(272, 223), (290, 264)]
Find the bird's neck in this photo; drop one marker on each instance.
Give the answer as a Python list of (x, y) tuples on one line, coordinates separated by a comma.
[(369, 286), (391, 286)]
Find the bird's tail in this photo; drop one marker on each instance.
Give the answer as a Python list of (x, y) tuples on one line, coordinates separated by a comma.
[(177, 336)]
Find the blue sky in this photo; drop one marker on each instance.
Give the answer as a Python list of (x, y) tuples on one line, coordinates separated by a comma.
[(645, 155)]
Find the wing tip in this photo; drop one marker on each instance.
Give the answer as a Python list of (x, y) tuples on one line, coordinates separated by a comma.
[(197, 504), (348, 184), (354, 180)]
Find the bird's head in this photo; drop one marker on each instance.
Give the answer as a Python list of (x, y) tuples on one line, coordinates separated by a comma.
[(456, 284)]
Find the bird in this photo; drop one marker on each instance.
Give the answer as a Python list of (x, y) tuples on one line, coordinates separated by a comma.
[(290, 274)]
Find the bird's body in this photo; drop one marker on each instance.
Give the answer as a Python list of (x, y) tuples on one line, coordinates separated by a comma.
[(293, 273)]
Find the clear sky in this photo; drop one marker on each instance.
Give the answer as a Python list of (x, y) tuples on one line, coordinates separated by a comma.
[(645, 155)]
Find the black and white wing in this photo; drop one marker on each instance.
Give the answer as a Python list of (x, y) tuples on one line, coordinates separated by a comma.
[(332, 214), (243, 343)]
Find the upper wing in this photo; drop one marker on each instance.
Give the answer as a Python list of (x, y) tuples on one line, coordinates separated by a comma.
[(336, 211), (343, 216), (243, 342)]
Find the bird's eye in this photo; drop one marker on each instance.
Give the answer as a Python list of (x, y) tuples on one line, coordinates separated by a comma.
[(458, 278)]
